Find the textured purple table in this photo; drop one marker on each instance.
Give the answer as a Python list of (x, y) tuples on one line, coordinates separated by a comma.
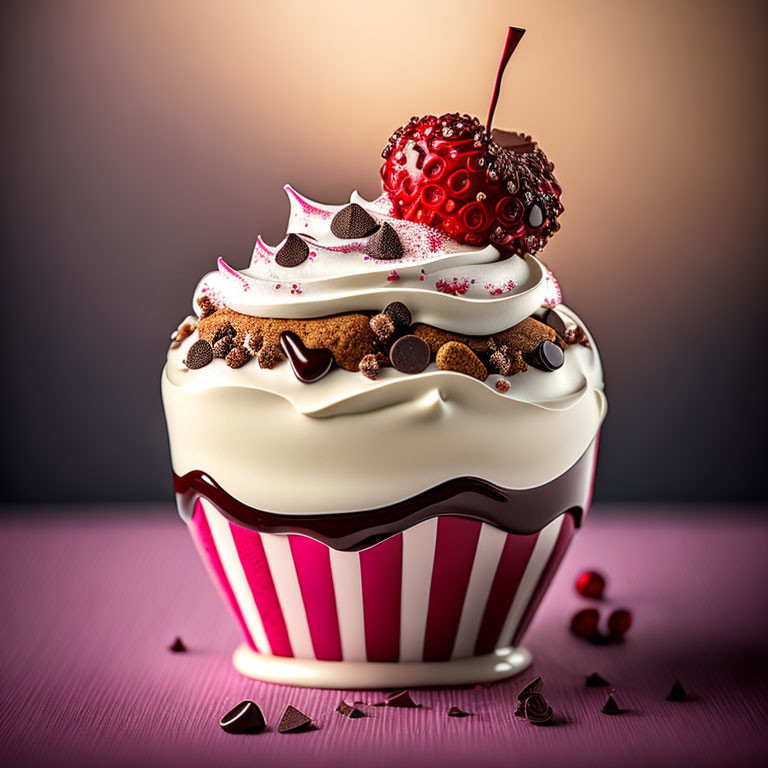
[(89, 605)]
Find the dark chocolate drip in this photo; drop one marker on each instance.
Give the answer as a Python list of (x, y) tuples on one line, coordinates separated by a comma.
[(513, 511)]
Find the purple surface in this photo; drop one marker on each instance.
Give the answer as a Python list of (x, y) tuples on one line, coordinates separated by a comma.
[(90, 603)]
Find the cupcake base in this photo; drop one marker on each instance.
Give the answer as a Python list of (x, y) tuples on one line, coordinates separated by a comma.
[(312, 673)]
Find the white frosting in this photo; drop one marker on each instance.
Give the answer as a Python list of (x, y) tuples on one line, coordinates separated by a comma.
[(443, 283)]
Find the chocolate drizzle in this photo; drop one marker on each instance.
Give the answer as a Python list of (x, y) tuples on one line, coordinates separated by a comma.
[(513, 511)]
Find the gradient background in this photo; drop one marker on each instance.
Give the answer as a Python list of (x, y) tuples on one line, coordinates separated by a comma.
[(143, 139)]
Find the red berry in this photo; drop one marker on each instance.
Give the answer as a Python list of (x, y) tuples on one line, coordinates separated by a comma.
[(449, 173), (590, 584), (584, 623), (618, 623)]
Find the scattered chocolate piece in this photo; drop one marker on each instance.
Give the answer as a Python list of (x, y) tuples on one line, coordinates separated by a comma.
[(207, 307), (401, 699), (611, 707), (294, 721), (555, 321), (269, 356), (456, 712), (309, 365), (253, 342), (502, 385), (237, 357), (225, 330), (548, 356), (222, 346), (575, 334), (501, 361), (199, 354), (677, 692), (518, 364), (353, 221), (348, 710), (410, 354), (400, 315), (246, 717), (293, 252), (382, 326), (596, 681), (533, 687), (537, 710), (384, 243), (177, 646), (455, 356), (370, 367)]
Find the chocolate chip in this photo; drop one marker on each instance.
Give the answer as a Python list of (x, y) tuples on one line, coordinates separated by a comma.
[(384, 244), (456, 712), (611, 707), (410, 354), (246, 717), (353, 221), (401, 699), (677, 692), (400, 315), (294, 721), (533, 687), (349, 711), (199, 354), (548, 356), (308, 364), (596, 681), (537, 710), (177, 646), (294, 252), (555, 321)]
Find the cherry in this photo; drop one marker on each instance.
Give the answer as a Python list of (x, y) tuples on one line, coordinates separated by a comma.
[(618, 623), (584, 623), (590, 584)]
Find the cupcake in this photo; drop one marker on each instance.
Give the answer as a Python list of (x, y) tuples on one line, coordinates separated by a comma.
[(384, 429)]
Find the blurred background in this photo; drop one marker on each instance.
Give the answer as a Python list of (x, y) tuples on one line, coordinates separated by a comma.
[(142, 139)]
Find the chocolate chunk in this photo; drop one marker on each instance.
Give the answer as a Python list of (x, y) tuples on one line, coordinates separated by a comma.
[(382, 326), (199, 354), (294, 252), (400, 315), (237, 356), (410, 354), (533, 687), (225, 330), (456, 712), (353, 221), (678, 693), (502, 385), (401, 699), (308, 364), (349, 711), (246, 717), (294, 721), (177, 646), (269, 356), (537, 710), (207, 307), (548, 356), (596, 681), (370, 367), (222, 346), (384, 244), (555, 321), (611, 707)]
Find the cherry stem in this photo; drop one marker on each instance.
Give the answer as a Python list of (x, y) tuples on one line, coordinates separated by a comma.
[(514, 36)]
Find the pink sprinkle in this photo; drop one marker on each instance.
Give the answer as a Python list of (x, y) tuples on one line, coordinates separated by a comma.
[(393, 276)]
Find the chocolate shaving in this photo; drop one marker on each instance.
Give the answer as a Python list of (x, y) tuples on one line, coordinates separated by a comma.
[(400, 315), (533, 687), (177, 646), (246, 717), (596, 681), (537, 710), (410, 354), (353, 221), (199, 354), (293, 252), (678, 693), (401, 699), (384, 244), (456, 712), (294, 721), (370, 367), (611, 707), (348, 710)]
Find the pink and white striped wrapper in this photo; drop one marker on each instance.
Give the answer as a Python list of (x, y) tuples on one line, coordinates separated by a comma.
[(448, 588)]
